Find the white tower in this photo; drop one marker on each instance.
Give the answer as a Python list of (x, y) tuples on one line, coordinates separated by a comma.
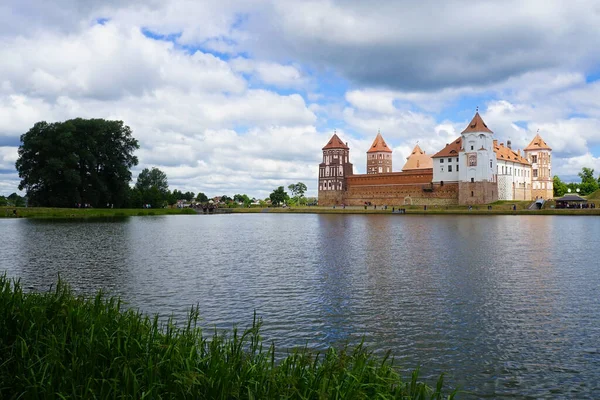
[(477, 160)]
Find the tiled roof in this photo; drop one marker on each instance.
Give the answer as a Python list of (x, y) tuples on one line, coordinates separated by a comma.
[(418, 160), (451, 150), (538, 144), (379, 145), (335, 143), (506, 154), (477, 125)]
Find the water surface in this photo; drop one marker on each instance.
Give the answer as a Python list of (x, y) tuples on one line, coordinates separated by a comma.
[(505, 305)]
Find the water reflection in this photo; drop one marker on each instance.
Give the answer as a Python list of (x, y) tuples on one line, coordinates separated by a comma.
[(506, 305)]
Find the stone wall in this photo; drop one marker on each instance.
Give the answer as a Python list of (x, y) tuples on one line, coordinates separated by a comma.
[(401, 194), (331, 197), (471, 193)]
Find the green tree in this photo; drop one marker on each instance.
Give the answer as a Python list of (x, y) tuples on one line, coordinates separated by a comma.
[(298, 190), (153, 187), (3, 201), (76, 161), (153, 178), (279, 196), (242, 198), (560, 188), (201, 198), (588, 183), (15, 200)]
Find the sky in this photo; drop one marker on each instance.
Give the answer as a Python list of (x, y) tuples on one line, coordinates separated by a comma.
[(239, 96)]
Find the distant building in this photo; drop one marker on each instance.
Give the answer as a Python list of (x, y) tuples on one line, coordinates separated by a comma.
[(473, 169)]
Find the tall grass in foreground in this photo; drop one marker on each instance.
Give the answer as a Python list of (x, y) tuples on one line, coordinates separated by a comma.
[(59, 345)]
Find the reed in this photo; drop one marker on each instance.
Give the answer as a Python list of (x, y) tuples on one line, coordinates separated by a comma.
[(60, 345)]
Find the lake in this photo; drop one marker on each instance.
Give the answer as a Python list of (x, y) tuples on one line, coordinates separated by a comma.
[(506, 306)]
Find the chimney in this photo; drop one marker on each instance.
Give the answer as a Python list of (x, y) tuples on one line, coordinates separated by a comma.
[(519, 152), (495, 142), (508, 144)]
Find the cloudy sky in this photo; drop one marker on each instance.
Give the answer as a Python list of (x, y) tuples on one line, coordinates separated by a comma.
[(240, 96)]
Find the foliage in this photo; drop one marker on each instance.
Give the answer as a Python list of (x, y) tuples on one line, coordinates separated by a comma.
[(297, 190), (279, 196), (15, 200), (242, 198), (588, 183), (76, 161), (156, 178), (226, 199), (58, 345), (151, 187), (560, 188), (179, 195), (201, 198), (3, 201)]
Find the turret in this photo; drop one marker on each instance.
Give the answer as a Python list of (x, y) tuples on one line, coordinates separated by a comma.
[(333, 171), (379, 157), (539, 155), (477, 161)]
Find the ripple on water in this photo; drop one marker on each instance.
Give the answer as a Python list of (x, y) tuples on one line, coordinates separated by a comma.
[(506, 306)]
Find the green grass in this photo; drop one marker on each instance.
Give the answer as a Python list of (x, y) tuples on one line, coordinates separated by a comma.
[(48, 212), (594, 196), (59, 345)]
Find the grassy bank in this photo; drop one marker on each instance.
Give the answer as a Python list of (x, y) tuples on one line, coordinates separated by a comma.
[(58, 345), (498, 208), (47, 212)]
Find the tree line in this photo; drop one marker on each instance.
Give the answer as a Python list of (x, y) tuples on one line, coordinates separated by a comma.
[(588, 184), (87, 163)]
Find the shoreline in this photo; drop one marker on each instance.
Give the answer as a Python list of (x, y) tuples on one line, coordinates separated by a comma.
[(89, 213)]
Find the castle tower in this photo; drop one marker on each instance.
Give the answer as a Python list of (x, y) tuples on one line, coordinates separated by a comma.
[(417, 160), (477, 161), (539, 155), (379, 157), (333, 171)]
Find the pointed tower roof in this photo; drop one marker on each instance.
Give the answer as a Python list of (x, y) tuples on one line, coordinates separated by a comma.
[(537, 144), (379, 145), (335, 143), (477, 125), (418, 160)]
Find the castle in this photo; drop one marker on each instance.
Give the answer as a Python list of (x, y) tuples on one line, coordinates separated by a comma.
[(473, 169)]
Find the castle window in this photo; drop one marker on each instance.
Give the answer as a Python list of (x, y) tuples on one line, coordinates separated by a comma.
[(491, 164), (471, 147), (442, 168), (441, 160), (534, 159), (535, 173), (449, 168), (472, 180), (471, 193), (456, 159), (449, 160), (457, 168)]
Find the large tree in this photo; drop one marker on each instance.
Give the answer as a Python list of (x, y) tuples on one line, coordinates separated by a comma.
[(298, 190), (150, 178), (279, 196), (77, 161), (152, 188), (589, 184), (560, 188)]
